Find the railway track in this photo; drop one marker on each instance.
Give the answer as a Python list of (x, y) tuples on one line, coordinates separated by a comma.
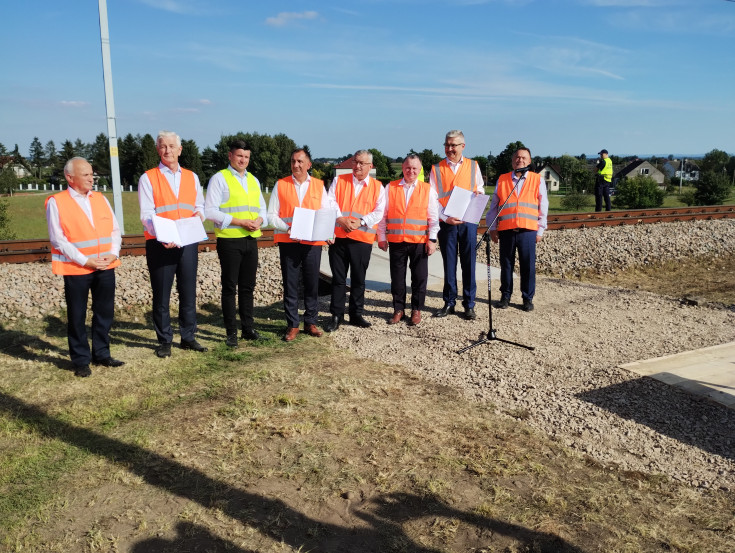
[(27, 251)]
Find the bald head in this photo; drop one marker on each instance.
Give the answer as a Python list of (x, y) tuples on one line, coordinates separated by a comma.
[(78, 173)]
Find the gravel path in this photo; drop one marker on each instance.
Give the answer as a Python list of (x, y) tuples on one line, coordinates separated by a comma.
[(570, 386)]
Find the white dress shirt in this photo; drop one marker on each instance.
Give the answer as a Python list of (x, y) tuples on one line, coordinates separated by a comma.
[(218, 192), (145, 195), (432, 214), (479, 182), (369, 219), (274, 206), (56, 234)]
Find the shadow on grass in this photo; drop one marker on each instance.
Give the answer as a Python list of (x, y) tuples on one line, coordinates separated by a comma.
[(22, 345), (383, 517)]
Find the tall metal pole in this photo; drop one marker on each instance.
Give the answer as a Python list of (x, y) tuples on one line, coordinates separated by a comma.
[(110, 105)]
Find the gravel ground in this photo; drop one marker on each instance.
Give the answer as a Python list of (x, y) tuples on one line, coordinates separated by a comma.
[(570, 386)]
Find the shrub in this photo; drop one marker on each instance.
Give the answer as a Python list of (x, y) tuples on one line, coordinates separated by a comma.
[(5, 227), (712, 188), (640, 192), (576, 201)]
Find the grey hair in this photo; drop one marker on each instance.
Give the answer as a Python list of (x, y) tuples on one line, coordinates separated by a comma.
[(69, 165), (411, 156), (454, 134), (168, 134), (364, 153)]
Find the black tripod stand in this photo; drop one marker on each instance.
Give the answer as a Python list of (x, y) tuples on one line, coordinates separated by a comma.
[(491, 336)]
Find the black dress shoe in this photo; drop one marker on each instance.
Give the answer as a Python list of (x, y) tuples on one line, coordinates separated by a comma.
[(333, 323), (359, 321), (444, 311), (231, 341), (192, 345), (251, 334), (469, 314), (164, 350), (82, 371), (109, 362), (527, 305), (503, 303)]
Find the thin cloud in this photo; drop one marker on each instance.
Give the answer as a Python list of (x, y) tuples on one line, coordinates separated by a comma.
[(284, 18), (204, 102), (183, 7), (73, 104)]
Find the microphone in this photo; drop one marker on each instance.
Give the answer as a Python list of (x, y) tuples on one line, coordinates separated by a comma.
[(523, 170)]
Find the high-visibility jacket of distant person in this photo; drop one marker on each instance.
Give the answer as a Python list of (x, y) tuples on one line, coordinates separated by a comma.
[(607, 171), (407, 223), (168, 205), (288, 201), (91, 240), (519, 211), (240, 205), (357, 207)]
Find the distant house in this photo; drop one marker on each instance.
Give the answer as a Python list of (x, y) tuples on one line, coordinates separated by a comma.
[(348, 165), (673, 170), (19, 170), (639, 167), (552, 175)]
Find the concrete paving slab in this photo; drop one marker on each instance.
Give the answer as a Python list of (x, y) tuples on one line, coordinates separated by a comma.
[(708, 372), (378, 274)]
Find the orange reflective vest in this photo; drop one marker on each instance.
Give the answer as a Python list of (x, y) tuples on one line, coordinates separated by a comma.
[(408, 223), (358, 207), (519, 212), (168, 205), (288, 200), (91, 240), (446, 179)]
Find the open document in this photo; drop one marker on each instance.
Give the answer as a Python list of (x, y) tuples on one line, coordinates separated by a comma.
[(181, 232), (312, 225), (465, 205)]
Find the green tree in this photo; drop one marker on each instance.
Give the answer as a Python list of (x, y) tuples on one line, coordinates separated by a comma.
[(50, 153), (482, 162), (575, 174), (36, 155), (67, 152), (640, 192), (503, 161), (209, 165), (81, 149), (712, 188), (130, 159), (149, 157), (99, 153), (6, 232), (3, 150), (714, 161), (8, 180), (382, 166), (270, 157), (190, 158)]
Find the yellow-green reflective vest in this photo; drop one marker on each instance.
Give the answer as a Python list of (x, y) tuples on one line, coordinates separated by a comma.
[(606, 172), (241, 205)]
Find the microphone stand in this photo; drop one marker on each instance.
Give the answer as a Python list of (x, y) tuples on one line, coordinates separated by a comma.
[(491, 335)]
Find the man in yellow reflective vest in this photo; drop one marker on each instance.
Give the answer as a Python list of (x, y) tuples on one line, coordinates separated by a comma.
[(603, 180), (236, 205), (85, 248)]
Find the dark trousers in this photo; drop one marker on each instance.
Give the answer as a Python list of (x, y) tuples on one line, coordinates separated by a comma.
[(300, 260), (238, 259), (76, 293), (354, 255), (524, 241), (401, 254), (163, 265), (602, 190), (453, 240)]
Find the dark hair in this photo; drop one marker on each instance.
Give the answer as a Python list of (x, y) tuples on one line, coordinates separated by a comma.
[(239, 144), (521, 149), (305, 149)]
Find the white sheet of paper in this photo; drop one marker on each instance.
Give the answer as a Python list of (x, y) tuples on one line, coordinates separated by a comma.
[(476, 208), (312, 225), (181, 232), (465, 205)]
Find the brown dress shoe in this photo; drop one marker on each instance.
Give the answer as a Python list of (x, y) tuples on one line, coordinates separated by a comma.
[(312, 330), (415, 317), (290, 334), (397, 317)]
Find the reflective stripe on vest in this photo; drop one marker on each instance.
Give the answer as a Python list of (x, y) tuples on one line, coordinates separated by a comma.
[(167, 205), (241, 204), (288, 200), (91, 240), (446, 179), (357, 207), (407, 223), (519, 212), (607, 171)]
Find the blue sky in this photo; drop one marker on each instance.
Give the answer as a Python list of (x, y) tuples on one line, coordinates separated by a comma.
[(633, 76)]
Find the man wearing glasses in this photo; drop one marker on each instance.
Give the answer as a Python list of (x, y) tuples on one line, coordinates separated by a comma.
[(360, 201), (456, 236)]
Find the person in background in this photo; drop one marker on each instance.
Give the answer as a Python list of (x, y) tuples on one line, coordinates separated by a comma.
[(602, 180)]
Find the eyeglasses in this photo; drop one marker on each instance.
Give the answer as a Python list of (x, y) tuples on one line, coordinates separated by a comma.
[(361, 163), (453, 146)]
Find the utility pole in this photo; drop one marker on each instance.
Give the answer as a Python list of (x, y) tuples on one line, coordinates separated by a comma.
[(110, 106), (681, 174)]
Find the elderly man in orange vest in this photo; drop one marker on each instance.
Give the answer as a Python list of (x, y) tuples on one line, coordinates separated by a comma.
[(456, 236), (360, 201), (521, 198), (409, 228), (85, 249), (298, 257), (172, 192)]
